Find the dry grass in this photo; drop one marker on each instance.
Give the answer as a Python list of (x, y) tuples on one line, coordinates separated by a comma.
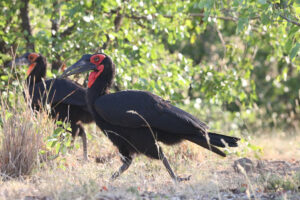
[(89, 180), (23, 134), (22, 138), (212, 176), (283, 146)]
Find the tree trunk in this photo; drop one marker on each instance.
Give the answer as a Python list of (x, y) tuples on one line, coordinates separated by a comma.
[(55, 23), (25, 24)]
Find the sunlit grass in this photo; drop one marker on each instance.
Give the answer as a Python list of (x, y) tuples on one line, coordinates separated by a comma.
[(74, 178), (23, 134), (69, 177)]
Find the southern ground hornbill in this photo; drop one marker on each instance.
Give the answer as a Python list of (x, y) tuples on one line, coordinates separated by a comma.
[(134, 120), (67, 98)]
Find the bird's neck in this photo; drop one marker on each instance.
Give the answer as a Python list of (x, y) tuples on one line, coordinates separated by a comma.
[(31, 80), (37, 74), (101, 86)]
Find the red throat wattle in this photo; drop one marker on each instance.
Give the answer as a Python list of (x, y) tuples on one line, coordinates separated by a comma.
[(31, 67), (94, 75)]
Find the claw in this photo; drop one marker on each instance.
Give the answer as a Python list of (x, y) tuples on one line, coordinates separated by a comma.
[(179, 179), (114, 176)]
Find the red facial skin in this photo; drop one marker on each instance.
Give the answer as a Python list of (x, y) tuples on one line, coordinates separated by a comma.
[(32, 57), (97, 60), (31, 67)]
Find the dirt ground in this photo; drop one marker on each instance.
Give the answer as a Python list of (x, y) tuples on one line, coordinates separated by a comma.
[(275, 175)]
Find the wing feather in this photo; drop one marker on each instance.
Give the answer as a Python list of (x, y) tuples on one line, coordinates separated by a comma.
[(55, 91), (160, 114)]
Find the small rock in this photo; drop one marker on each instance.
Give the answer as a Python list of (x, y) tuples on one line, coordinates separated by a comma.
[(36, 198), (260, 165), (243, 163), (106, 197)]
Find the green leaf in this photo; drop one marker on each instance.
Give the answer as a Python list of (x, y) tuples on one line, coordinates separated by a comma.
[(265, 19), (4, 77), (58, 131), (77, 146), (293, 30), (64, 150), (262, 1), (42, 152), (242, 22), (59, 123), (295, 50), (53, 144), (193, 39), (57, 148), (289, 45)]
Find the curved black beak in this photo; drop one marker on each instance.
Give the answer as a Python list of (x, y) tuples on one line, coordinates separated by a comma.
[(80, 66), (19, 61)]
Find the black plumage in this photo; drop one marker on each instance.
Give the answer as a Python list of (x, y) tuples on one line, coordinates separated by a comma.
[(135, 120), (67, 98)]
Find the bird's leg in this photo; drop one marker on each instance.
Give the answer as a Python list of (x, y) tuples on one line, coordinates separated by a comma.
[(72, 142), (84, 143), (75, 131), (169, 169), (73, 139), (126, 163)]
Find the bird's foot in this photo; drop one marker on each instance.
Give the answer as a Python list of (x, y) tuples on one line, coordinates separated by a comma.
[(85, 158), (115, 176), (180, 179)]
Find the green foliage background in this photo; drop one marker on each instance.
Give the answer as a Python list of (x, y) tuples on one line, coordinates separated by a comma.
[(228, 60)]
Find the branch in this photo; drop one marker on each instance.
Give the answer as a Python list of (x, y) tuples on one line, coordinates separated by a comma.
[(289, 20), (25, 24), (137, 18), (106, 44), (68, 31), (132, 16), (55, 19), (140, 24), (118, 20), (117, 24), (217, 17), (230, 18), (221, 39)]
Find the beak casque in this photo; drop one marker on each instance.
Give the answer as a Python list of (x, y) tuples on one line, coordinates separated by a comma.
[(19, 61), (80, 66)]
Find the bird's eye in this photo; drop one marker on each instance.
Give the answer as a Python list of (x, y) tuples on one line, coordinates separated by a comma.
[(30, 57), (96, 59)]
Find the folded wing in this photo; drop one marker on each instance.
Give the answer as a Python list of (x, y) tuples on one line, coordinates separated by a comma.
[(132, 108), (54, 91)]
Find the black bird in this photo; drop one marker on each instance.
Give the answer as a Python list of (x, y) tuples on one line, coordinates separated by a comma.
[(67, 98), (135, 120)]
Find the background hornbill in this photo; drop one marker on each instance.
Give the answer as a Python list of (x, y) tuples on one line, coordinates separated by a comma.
[(134, 120), (67, 98)]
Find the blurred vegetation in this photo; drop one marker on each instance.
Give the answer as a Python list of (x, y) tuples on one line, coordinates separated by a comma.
[(275, 182), (230, 60)]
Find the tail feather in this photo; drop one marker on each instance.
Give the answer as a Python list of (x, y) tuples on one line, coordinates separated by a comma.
[(202, 142), (215, 140), (222, 140)]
